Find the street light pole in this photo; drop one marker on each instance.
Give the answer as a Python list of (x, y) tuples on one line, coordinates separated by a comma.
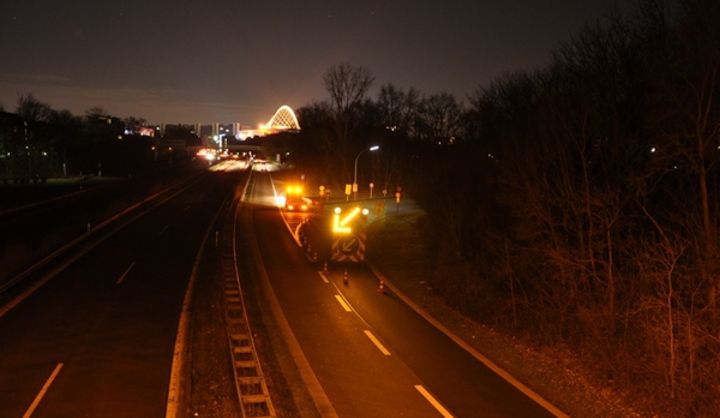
[(354, 185)]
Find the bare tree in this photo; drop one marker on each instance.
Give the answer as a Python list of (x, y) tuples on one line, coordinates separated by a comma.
[(347, 85), (32, 109), (96, 112), (398, 109), (685, 73), (439, 119)]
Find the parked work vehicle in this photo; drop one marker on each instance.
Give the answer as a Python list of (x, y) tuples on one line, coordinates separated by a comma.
[(335, 236), (293, 200)]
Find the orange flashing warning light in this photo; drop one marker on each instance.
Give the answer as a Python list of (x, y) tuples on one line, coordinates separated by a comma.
[(294, 189)]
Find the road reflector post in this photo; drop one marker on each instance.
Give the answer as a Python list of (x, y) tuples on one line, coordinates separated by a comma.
[(381, 286), (345, 278)]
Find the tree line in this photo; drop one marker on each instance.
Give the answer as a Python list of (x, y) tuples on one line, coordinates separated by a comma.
[(38, 142), (576, 204), (401, 120)]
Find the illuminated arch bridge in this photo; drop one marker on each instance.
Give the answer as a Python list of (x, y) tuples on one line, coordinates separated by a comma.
[(283, 120)]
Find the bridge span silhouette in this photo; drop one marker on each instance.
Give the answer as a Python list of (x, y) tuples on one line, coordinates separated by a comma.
[(283, 120)]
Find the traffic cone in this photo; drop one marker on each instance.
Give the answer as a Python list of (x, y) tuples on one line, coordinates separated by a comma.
[(345, 278), (381, 286)]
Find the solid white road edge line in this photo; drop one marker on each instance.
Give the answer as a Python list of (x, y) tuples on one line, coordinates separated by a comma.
[(323, 277), (282, 215), (377, 343), (120, 280), (317, 393), (42, 392), (272, 184), (468, 348), (444, 412), (342, 302)]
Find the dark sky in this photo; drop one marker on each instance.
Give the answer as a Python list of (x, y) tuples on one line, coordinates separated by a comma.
[(222, 60)]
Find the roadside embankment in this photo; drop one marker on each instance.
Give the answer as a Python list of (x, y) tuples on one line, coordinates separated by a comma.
[(396, 249)]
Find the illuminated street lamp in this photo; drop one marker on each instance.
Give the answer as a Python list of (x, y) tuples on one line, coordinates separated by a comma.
[(354, 186)]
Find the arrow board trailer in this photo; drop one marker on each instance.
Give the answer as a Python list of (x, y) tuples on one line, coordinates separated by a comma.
[(336, 236), (349, 248)]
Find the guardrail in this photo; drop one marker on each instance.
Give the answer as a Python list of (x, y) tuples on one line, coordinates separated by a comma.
[(250, 385)]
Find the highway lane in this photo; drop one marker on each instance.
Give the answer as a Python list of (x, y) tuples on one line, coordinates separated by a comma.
[(110, 318), (360, 383), (37, 230), (456, 377), (358, 378)]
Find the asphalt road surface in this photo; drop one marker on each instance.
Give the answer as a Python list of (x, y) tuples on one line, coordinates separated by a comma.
[(97, 339), (372, 354)]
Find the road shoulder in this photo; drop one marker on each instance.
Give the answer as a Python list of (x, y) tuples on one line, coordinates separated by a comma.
[(394, 246)]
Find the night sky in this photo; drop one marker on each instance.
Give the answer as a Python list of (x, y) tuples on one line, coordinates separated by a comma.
[(222, 61)]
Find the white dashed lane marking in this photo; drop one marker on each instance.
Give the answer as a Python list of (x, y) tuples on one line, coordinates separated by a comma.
[(342, 302), (121, 278), (437, 405), (42, 392), (377, 343)]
